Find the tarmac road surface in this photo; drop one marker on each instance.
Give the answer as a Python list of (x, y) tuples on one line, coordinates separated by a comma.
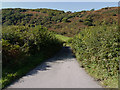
[(61, 71)]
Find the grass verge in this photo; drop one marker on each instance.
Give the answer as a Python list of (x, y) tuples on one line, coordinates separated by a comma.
[(62, 38), (11, 74), (23, 48)]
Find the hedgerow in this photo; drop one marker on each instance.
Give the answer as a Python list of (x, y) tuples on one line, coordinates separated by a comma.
[(21, 40), (23, 48), (97, 50)]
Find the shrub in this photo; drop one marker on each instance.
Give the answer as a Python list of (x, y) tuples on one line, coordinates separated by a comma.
[(64, 19), (88, 21), (20, 41), (92, 9), (97, 49), (80, 20)]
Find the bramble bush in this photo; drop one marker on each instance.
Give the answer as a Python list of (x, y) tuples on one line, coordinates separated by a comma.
[(97, 50)]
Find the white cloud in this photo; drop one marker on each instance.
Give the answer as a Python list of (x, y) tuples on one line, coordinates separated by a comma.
[(60, 0)]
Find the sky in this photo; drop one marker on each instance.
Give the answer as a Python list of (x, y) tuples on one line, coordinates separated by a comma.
[(60, 0), (65, 6)]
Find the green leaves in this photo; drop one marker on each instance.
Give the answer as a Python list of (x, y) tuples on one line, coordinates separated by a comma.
[(97, 48), (20, 41)]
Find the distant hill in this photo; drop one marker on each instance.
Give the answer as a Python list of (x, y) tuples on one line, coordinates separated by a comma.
[(65, 23)]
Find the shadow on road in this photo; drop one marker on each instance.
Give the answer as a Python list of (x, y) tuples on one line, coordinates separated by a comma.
[(64, 55)]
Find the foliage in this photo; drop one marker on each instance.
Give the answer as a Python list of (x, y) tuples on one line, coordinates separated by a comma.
[(52, 18), (95, 47), (97, 50), (88, 21), (92, 9), (62, 38), (19, 43), (17, 40)]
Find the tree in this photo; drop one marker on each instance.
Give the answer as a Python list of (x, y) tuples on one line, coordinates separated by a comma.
[(92, 9)]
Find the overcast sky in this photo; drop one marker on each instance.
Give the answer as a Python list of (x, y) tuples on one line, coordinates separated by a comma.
[(60, 0)]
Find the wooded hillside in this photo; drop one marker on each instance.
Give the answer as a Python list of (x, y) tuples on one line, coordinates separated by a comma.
[(65, 23)]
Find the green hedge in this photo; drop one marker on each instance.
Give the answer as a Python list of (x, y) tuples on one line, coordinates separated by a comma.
[(19, 41), (97, 50), (23, 48)]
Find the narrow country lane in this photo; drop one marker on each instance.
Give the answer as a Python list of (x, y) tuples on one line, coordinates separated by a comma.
[(61, 71)]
